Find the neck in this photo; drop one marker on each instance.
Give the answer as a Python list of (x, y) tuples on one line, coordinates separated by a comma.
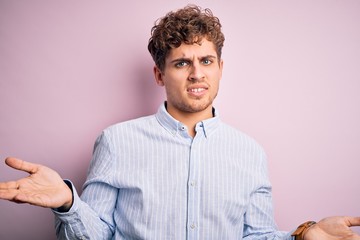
[(190, 119)]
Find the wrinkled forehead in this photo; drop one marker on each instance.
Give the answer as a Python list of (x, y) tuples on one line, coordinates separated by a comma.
[(188, 50)]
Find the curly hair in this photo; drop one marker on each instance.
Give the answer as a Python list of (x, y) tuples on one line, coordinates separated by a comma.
[(187, 25)]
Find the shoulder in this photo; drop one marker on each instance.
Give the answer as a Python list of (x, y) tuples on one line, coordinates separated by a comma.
[(128, 125), (239, 138), (125, 132)]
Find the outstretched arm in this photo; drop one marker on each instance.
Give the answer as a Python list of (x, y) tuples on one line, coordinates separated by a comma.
[(43, 187), (334, 228)]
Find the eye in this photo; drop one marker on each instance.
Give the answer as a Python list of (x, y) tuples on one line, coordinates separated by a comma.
[(207, 61), (181, 64)]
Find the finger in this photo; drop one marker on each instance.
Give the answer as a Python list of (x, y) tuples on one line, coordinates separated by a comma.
[(9, 185), (14, 195), (353, 221), (21, 165), (8, 194)]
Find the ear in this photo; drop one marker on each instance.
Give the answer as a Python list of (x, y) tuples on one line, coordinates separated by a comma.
[(158, 76)]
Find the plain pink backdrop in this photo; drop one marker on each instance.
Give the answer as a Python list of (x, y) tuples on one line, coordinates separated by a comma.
[(291, 80)]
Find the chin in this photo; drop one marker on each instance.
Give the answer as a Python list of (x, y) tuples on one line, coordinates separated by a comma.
[(199, 107)]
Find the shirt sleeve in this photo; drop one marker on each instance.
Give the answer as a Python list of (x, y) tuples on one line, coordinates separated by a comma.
[(92, 214), (259, 220)]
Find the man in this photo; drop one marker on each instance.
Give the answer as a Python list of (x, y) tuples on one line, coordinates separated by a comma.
[(178, 174)]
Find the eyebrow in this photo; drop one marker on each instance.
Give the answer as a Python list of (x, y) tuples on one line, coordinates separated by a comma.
[(189, 59)]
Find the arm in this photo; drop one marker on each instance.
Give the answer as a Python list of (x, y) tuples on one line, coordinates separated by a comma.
[(45, 188), (259, 220), (82, 221), (76, 218), (92, 214)]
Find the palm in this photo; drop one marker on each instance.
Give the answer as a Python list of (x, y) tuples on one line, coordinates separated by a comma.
[(43, 187), (334, 228)]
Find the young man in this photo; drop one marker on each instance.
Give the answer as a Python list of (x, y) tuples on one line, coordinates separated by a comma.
[(178, 174)]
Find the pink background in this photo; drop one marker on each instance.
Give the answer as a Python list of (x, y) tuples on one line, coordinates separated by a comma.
[(291, 80)]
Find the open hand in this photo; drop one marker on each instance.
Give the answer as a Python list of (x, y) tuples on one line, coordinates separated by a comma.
[(334, 228), (43, 187)]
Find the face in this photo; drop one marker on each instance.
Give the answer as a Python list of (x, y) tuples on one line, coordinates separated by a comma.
[(191, 78)]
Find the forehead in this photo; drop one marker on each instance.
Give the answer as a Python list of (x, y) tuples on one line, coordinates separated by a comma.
[(201, 49)]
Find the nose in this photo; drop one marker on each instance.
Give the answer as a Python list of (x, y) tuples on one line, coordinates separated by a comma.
[(196, 72)]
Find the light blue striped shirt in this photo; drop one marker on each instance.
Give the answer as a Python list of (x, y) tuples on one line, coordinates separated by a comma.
[(149, 179)]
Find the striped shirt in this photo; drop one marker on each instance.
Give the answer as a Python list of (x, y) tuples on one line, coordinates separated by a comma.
[(149, 179)]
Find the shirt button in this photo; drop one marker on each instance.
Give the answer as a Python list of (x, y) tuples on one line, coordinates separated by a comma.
[(182, 128), (193, 183), (192, 226)]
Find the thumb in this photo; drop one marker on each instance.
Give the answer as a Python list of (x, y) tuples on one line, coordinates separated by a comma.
[(21, 165), (353, 221)]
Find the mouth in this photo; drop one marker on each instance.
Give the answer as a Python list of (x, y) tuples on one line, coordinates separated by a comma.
[(197, 91)]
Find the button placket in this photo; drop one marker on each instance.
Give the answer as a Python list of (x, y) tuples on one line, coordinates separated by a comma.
[(193, 189)]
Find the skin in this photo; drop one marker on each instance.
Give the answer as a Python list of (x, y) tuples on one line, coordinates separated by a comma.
[(334, 228), (191, 79), (43, 187), (187, 68)]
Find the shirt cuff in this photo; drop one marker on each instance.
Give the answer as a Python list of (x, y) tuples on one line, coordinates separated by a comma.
[(75, 204)]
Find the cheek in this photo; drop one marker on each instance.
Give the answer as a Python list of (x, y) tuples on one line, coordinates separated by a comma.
[(216, 88), (174, 84), (172, 88), (215, 77)]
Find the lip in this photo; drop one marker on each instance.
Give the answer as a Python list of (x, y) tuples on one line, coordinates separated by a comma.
[(197, 90)]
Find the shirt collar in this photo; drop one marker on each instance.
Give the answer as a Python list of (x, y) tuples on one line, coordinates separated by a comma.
[(207, 126)]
